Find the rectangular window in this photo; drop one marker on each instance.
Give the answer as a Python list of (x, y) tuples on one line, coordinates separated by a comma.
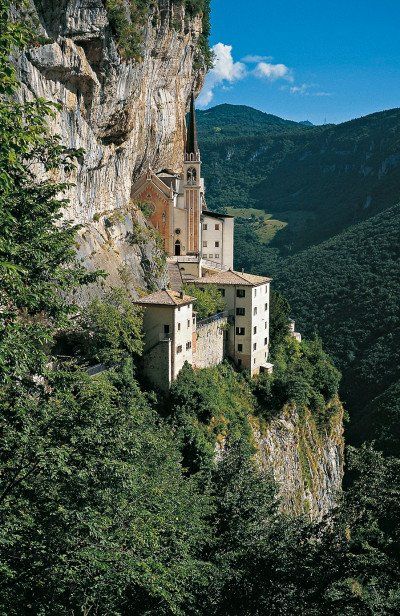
[(210, 256), (179, 349), (255, 292), (188, 322), (205, 244), (240, 293), (266, 306), (205, 227), (217, 256), (265, 341), (254, 346), (255, 330), (216, 244), (179, 327), (240, 348), (188, 346), (266, 288), (217, 227), (240, 312), (255, 311), (266, 325), (166, 329), (240, 331), (222, 291)]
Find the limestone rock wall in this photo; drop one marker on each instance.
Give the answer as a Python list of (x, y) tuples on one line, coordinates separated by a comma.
[(305, 460), (126, 115)]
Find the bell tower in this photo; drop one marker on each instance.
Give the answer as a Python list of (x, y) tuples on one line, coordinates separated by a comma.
[(192, 183)]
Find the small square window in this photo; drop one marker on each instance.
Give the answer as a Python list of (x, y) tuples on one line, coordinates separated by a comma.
[(240, 293), (217, 227), (240, 312), (205, 244), (179, 349), (240, 348), (188, 346), (205, 227), (216, 244), (222, 291), (217, 256), (210, 256), (240, 331), (254, 329), (166, 329)]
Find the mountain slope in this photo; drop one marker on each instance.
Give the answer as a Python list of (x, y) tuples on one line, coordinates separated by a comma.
[(347, 290), (316, 180)]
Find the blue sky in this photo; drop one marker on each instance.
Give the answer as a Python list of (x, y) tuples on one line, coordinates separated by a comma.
[(306, 60)]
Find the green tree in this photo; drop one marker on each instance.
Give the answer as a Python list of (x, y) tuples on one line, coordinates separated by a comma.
[(279, 320), (209, 300), (110, 329)]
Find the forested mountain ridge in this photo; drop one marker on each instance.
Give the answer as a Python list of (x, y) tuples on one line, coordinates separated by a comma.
[(318, 180)]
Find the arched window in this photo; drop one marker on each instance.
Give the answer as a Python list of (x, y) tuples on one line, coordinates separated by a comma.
[(191, 176), (177, 248)]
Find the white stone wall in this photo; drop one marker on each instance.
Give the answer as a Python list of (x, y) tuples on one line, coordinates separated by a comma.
[(157, 365), (217, 240), (210, 344)]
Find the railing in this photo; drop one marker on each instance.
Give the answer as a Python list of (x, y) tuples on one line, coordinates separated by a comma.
[(214, 265), (184, 259), (214, 317)]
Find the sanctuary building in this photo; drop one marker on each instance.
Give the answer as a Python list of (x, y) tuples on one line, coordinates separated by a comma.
[(200, 247)]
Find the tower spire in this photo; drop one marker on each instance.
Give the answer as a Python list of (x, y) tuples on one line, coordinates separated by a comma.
[(192, 146)]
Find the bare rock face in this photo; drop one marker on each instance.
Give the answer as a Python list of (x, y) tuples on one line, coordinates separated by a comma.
[(125, 114), (306, 460)]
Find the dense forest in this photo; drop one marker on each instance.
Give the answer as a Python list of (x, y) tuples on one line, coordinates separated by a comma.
[(111, 501)]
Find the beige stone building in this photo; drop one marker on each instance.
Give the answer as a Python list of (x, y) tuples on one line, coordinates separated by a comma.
[(169, 325), (200, 249), (247, 302)]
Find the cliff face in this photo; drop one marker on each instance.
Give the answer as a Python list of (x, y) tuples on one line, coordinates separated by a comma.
[(305, 460), (125, 114)]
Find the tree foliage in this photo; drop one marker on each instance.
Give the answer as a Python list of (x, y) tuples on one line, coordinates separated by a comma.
[(209, 300)]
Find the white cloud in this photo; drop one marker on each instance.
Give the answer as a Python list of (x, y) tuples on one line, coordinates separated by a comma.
[(323, 94), (303, 89), (224, 70), (272, 72), (250, 59)]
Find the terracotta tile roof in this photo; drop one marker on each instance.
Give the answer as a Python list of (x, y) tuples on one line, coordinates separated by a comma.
[(234, 278), (165, 297)]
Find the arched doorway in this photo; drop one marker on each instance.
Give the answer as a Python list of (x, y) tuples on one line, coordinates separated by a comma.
[(177, 248)]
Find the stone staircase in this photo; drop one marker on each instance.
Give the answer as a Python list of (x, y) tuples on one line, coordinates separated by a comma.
[(175, 277)]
